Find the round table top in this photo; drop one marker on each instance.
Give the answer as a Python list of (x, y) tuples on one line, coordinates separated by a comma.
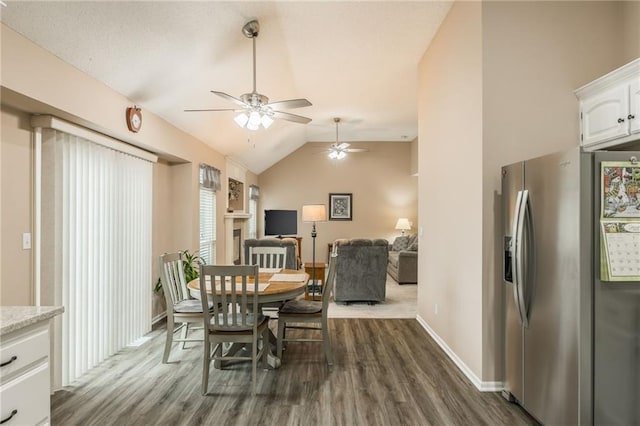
[(276, 291)]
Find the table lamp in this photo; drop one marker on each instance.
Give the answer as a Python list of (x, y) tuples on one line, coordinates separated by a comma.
[(403, 224), (314, 213)]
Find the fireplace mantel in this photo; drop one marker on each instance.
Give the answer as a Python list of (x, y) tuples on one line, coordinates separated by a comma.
[(239, 216)]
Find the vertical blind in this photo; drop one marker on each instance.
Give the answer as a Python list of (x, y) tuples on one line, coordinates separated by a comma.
[(96, 240), (208, 212)]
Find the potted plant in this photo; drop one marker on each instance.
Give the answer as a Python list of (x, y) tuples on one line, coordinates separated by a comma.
[(190, 265)]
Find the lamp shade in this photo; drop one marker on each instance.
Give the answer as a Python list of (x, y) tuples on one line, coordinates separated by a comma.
[(314, 213), (403, 224)]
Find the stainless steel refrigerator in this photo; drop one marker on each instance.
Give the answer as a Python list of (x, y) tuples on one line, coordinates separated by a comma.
[(572, 340)]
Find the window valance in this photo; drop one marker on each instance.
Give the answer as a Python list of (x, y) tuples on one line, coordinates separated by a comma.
[(210, 177), (254, 192)]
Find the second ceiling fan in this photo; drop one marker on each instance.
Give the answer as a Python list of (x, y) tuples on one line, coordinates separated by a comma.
[(255, 109), (337, 151)]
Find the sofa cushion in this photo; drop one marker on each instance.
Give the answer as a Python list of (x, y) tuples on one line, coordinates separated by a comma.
[(413, 246), (400, 243)]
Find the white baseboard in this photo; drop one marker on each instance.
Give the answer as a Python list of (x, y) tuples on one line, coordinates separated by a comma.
[(158, 318), (479, 384)]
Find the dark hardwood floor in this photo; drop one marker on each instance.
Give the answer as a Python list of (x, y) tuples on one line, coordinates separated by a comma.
[(386, 372)]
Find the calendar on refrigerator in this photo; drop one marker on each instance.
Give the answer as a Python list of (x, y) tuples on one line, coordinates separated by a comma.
[(621, 247), (620, 221)]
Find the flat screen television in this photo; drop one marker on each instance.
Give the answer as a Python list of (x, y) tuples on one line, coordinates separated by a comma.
[(280, 222)]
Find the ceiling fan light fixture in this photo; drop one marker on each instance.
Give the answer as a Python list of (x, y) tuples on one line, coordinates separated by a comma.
[(241, 119), (255, 109), (254, 119), (266, 121), (336, 152)]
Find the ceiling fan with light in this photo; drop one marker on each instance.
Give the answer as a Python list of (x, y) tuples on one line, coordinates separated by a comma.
[(337, 151), (255, 109)]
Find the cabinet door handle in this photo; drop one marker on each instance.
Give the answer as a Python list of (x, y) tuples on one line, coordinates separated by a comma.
[(13, 358), (13, 413), (631, 116), (620, 120)]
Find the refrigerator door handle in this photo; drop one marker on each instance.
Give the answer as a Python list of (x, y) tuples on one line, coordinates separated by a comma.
[(517, 232), (523, 255)]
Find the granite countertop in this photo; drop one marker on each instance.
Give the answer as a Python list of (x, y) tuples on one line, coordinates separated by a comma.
[(14, 318)]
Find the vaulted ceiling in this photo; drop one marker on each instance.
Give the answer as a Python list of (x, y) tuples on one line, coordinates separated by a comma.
[(355, 60)]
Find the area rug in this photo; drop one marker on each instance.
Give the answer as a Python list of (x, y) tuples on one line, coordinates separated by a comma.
[(400, 302)]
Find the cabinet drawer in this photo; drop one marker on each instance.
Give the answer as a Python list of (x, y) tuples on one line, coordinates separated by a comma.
[(26, 348), (27, 396)]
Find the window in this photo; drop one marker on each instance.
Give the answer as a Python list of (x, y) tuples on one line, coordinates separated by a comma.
[(254, 195), (207, 225), (209, 184)]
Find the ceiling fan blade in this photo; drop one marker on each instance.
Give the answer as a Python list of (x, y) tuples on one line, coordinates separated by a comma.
[(214, 109), (291, 103), (356, 150), (230, 98), (291, 117), (343, 146)]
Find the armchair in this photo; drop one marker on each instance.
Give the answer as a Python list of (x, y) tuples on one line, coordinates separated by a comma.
[(361, 274)]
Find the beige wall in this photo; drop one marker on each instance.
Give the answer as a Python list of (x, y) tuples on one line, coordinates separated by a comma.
[(533, 55), (415, 166), (34, 81), (630, 12), (16, 196), (379, 180), (450, 137)]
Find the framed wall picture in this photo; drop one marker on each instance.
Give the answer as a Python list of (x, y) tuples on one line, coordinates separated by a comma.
[(340, 207)]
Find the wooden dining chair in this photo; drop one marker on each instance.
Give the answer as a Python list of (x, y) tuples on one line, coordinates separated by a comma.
[(181, 307), (268, 257), (234, 318), (312, 313)]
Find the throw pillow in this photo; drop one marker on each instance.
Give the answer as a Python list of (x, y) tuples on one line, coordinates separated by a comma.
[(400, 243), (413, 246)]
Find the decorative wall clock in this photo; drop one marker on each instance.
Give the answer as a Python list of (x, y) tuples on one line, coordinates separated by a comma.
[(134, 118)]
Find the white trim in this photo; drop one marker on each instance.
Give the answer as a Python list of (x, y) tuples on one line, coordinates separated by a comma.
[(37, 212), (158, 318), (479, 384), (624, 73), (51, 122)]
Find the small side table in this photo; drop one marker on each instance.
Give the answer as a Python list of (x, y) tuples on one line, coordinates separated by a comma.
[(319, 277)]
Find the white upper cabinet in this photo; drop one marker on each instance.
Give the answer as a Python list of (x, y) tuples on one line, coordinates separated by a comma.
[(609, 108), (634, 106), (603, 115)]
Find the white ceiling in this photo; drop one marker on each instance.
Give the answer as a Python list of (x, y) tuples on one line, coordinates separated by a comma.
[(352, 59)]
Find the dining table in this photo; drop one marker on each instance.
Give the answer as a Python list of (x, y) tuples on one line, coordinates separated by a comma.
[(276, 286)]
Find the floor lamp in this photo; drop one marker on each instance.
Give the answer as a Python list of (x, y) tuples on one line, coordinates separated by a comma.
[(314, 213)]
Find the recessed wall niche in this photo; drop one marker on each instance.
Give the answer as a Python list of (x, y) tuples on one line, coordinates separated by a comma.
[(236, 195)]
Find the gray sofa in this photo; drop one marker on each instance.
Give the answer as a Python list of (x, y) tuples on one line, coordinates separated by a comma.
[(361, 271), (291, 261), (403, 260)]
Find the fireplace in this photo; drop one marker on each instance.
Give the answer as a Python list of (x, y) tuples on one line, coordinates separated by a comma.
[(234, 224), (237, 246)]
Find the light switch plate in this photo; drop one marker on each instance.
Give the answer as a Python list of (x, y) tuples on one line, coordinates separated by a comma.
[(26, 241)]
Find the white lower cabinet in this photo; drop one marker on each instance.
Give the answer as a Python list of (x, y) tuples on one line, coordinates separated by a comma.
[(25, 377)]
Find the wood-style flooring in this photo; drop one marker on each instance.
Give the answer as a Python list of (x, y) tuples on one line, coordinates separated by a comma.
[(386, 372)]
